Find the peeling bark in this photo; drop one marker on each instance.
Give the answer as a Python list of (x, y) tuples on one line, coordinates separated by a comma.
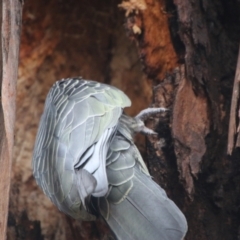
[(190, 126), (232, 130), (154, 42)]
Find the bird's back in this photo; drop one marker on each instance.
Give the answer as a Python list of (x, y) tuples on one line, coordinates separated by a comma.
[(77, 125)]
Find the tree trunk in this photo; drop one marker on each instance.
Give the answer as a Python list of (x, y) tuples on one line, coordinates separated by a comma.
[(10, 22), (188, 52)]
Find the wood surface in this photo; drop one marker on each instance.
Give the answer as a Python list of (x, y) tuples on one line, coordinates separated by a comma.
[(9, 51)]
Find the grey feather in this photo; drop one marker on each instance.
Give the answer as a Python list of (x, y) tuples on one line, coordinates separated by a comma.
[(76, 128), (86, 184), (84, 150), (137, 208)]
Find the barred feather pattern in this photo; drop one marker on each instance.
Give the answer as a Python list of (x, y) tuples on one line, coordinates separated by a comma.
[(69, 160), (84, 151), (135, 207)]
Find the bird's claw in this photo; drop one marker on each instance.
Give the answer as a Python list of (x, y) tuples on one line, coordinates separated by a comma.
[(144, 114), (147, 131)]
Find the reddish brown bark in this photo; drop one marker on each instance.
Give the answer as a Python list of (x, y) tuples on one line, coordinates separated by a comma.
[(190, 125), (10, 19)]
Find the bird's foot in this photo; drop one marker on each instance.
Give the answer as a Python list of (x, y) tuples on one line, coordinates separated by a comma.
[(144, 115)]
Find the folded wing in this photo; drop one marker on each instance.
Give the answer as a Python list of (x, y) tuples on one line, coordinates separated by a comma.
[(135, 207), (76, 128)]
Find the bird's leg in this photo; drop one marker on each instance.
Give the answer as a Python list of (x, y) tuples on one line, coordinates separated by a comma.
[(143, 115)]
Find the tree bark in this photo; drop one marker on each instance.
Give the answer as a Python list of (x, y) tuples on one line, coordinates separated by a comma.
[(10, 21), (188, 52)]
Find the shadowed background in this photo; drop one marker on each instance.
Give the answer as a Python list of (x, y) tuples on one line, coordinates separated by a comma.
[(64, 39)]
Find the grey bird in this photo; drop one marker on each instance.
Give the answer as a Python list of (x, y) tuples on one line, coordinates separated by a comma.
[(86, 162)]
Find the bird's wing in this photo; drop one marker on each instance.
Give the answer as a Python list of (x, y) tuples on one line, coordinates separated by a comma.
[(135, 206), (124, 129), (77, 125)]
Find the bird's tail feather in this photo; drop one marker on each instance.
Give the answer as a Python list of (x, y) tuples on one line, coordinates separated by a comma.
[(145, 214)]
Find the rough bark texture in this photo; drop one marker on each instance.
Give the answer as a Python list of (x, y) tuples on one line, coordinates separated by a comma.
[(233, 130), (188, 51), (197, 88), (10, 22)]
